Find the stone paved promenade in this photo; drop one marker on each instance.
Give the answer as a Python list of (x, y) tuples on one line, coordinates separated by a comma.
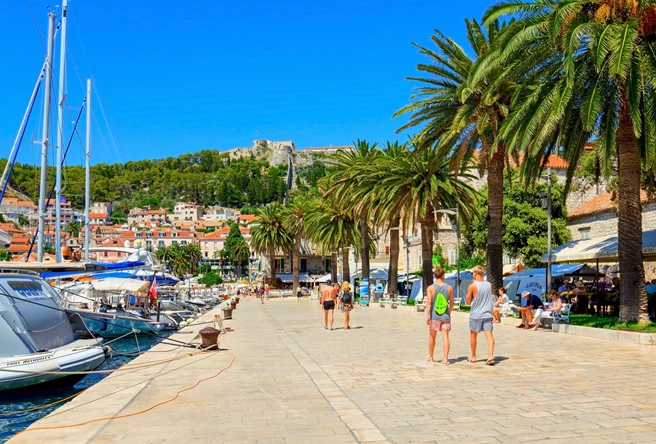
[(294, 382)]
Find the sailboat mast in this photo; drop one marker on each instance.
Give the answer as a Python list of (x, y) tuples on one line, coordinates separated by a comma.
[(60, 129), (87, 186), (45, 135)]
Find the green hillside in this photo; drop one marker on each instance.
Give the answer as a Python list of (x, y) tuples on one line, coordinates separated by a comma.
[(206, 178)]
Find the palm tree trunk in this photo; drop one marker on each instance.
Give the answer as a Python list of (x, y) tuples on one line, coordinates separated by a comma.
[(346, 268), (426, 254), (364, 232), (274, 275), (333, 267), (494, 263), (633, 295), (393, 270), (296, 262)]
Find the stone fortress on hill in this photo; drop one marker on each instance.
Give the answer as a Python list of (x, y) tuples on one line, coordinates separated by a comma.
[(284, 152)]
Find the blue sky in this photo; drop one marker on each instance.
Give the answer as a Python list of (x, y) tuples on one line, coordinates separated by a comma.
[(178, 77)]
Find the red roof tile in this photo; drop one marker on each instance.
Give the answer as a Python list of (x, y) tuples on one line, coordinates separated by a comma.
[(600, 204)]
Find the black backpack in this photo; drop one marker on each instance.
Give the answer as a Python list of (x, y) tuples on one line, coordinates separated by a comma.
[(347, 297)]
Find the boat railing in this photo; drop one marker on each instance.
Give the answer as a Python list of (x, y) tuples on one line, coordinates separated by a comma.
[(9, 270)]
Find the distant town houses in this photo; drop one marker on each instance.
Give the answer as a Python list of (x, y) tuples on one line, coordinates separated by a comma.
[(14, 209), (218, 214), (146, 216), (184, 212)]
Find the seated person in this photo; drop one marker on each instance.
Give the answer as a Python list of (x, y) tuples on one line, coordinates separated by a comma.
[(651, 287), (532, 302), (501, 303), (555, 305)]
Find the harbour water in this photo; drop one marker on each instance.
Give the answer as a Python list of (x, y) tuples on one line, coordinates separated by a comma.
[(10, 424)]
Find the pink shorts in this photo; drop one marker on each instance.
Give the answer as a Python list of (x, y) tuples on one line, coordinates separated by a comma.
[(440, 325)]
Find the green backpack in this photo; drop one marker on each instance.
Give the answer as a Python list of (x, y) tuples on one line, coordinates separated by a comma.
[(441, 303)]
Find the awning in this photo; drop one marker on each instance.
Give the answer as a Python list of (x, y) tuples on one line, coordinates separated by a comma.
[(288, 278), (118, 284), (376, 273), (557, 270), (604, 249)]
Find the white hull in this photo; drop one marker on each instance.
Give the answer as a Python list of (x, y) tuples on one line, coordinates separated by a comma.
[(79, 356)]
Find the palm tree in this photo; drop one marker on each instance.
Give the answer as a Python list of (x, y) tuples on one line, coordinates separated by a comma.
[(362, 194), (269, 235), (163, 254), (179, 262), (73, 228), (293, 218), (194, 255), (345, 180), (414, 187), (333, 227), (461, 103), (240, 254), (605, 85)]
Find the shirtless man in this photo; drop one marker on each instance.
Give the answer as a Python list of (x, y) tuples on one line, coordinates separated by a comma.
[(328, 298)]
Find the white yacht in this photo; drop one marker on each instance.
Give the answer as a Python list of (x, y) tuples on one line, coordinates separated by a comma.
[(38, 343)]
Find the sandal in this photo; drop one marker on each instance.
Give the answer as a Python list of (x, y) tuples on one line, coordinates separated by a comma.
[(521, 326), (471, 360), (444, 363), (430, 359), (490, 362)]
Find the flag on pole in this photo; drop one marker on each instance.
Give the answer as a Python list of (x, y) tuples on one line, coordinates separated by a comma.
[(152, 291)]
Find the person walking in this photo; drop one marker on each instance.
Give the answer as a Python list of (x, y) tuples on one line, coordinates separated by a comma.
[(299, 294), (481, 300), (439, 305), (328, 298), (346, 304), (261, 292)]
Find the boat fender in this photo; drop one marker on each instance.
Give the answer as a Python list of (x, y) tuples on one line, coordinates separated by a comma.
[(182, 324)]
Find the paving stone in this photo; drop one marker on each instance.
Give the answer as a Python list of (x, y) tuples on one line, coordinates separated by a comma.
[(295, 382)]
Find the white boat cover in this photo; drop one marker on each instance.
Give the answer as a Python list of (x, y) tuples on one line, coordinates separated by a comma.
[(118, 284)]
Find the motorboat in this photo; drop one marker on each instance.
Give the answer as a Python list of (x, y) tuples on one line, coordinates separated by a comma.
[(102, 307), (38, 343)]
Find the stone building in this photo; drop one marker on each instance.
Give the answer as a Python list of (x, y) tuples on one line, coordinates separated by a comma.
[(598, 217), (142, 217), (186, 212)]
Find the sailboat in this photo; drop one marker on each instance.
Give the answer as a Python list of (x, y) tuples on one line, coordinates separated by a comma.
[(38, 343)]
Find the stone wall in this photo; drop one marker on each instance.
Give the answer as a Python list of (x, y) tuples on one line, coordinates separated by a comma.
[(605, 224)]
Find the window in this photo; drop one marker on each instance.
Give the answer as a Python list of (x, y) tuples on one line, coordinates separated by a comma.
[(326, 264), (183, 243), (175, 242), (584, 233), (303, 265), (387, 249), (452, 257), (160, 243)]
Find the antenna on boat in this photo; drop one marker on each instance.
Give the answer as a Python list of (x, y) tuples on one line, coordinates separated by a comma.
[(87, 185), (45, 135), (60, 129)]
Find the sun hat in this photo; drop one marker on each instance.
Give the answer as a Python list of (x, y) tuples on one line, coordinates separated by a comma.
[(579, 284), (526, 293)]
